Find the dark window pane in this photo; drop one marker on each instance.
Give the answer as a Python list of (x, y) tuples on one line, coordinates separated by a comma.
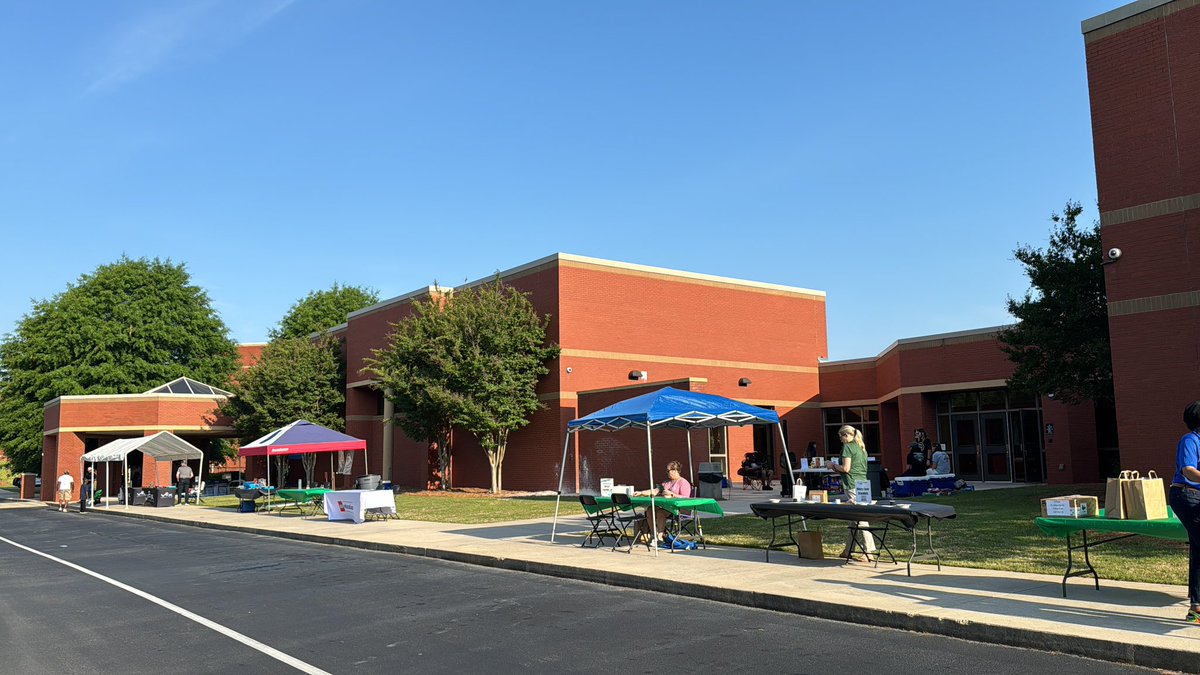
[(871, 438), (965, 431), (1020, 399), (991, 400), (872, 413), (833, 416), (964, 401), (852, 415), (179, 387), (943, 404), (993, 431), (833, 444), (968, 464)]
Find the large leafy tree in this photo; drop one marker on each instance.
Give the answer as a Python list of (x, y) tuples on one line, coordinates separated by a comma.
[(320, 310), (502, 356), (418, 370), (296, 378), (124, 328), (1060, 344)]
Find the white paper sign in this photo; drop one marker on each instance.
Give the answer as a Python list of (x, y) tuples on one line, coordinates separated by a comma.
[(606, 487), (862, 492)]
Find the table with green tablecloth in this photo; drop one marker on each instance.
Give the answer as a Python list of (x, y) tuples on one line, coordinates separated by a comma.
[(1163, 528), (306, 501), (689, 506)]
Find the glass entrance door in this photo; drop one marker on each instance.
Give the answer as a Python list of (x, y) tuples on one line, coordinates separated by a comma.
[(994, 446), (964, 436)]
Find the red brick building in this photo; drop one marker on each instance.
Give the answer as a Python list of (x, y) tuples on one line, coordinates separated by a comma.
[(1144, 81), (761, 343)]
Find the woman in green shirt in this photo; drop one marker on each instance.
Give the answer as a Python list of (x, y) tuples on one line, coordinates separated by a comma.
[(853, 467)]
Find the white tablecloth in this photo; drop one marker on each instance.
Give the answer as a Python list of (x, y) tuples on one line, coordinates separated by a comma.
[(353, 504)]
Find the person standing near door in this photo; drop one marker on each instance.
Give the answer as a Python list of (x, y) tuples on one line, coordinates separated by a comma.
[(1185, 501), (65, 484), (183, 482)]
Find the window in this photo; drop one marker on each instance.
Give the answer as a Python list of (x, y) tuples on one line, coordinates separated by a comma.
[(863, 418)]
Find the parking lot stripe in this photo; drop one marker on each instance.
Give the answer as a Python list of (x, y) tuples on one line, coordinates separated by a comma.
[(212, 625)]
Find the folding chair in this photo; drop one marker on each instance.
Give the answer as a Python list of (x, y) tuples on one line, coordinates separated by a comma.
[(635, 519), (601, 519), (687, 524)]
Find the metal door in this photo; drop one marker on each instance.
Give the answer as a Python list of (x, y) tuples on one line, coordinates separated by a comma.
[(993, 446), (964, 436)]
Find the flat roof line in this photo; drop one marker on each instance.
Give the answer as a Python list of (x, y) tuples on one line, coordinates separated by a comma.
[(1120, 14), (913, 340), (600, 262)]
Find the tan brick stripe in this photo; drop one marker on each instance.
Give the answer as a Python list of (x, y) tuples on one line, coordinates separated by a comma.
[(1154, 303), (1153, 209)]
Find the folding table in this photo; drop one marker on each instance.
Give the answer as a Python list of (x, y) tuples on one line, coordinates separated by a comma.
[(1164, 528)]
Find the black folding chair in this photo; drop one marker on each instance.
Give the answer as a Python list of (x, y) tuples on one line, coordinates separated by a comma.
[(686, 524), (601, 519), (630, 522)]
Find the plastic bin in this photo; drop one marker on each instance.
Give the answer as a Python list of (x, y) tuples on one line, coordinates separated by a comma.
[(709, 480)]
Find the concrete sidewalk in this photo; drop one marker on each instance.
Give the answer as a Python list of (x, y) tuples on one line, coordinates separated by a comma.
[(1123, 622)]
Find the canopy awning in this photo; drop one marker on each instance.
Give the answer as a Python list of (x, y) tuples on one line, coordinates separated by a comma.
[(163, 446), (301, 437), (674, 408)]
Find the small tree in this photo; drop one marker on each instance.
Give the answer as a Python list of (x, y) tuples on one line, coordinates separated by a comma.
[(126, 327), (1060, 344), (296, 378), (417, 368), (502, 355), (320, 310)]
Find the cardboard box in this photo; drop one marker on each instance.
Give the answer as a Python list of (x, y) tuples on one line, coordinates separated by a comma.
[(1071, 506), (809, 544), (819, 495)]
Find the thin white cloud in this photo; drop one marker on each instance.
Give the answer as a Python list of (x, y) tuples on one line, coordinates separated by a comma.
[(182, 32)]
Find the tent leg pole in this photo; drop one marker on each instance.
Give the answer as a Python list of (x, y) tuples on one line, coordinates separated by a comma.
[(107, 496), (787, 458), (653, 510), (558, 499), (725, 431), (125, 480), (691, 474)]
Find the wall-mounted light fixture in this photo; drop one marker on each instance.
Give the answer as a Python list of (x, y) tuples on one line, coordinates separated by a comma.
[(744, 382), (638, 375)]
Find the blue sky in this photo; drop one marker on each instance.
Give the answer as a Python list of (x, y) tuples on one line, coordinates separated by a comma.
[(891, 154)]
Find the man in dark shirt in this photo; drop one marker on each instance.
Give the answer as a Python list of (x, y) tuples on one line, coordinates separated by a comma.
[(183, 482)]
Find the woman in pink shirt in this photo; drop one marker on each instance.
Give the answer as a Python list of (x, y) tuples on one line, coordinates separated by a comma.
[(676, 486)]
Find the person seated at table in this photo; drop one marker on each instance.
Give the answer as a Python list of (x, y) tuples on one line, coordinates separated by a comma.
[(917, 461), (752, 470), (940, 463), (676, 486)]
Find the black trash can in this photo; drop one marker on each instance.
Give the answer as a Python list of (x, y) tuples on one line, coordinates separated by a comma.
[(875, 474), (709, 480)]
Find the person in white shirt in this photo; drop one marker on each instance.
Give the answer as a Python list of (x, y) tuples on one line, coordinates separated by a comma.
[(65, 486), (940, 462)]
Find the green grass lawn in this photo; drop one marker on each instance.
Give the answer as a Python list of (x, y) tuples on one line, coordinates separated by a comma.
[(458, 508), (995, 530)]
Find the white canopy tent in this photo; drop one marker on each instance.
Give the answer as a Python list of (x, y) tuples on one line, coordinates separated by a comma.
[(163, 446)]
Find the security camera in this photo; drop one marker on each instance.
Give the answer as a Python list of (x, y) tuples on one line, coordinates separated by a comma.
[(1114, 253), (568, 370)]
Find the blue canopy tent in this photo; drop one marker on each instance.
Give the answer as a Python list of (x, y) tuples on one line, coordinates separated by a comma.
[(667, 408)]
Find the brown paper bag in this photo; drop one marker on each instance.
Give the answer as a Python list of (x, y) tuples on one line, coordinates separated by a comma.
[(1145, 498), (810, 544), (1114, 495)]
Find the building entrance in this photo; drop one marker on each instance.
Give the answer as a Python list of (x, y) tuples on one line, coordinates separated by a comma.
[(988, 439)]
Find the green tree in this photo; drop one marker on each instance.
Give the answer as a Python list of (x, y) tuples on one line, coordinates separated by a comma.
[(502, 355), (417, 370), (1060, 344), (320, 310), (126, 327), (296, 378)]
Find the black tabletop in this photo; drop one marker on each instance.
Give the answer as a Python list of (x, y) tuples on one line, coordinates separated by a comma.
[(889, 510)]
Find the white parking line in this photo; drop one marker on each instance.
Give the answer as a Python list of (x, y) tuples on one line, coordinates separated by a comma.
[(228, 632)]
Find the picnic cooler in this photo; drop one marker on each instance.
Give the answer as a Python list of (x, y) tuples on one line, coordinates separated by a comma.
[(709, 481), (1131, 497), (1071, 506)]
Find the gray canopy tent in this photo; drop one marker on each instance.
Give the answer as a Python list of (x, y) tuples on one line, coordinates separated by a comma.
[(163, 446), (667, 408)]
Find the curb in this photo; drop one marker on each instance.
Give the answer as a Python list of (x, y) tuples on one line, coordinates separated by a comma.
[(1133, 654)]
